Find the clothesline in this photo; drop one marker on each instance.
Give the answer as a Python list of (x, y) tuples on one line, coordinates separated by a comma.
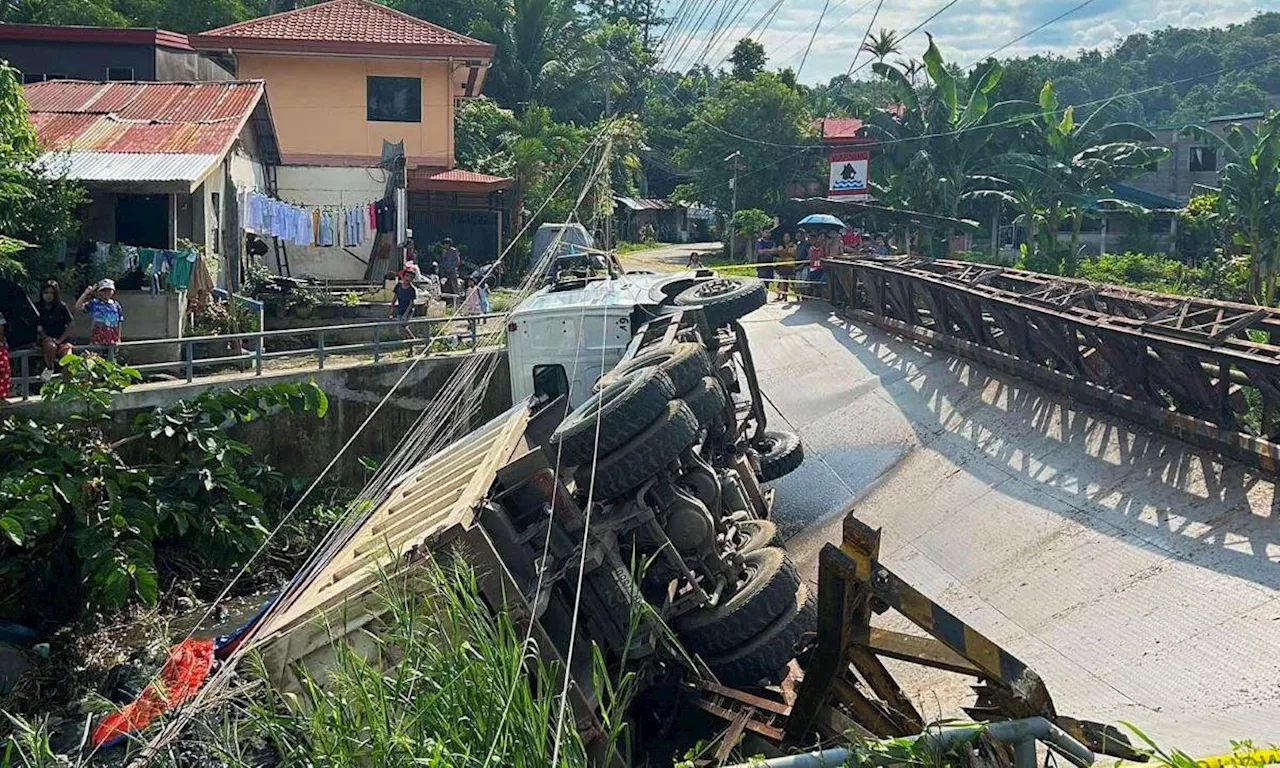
[(325, 226)]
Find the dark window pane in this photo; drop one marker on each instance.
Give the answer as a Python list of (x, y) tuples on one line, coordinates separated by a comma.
[(55, 76), (549, 382), (1203, 159), (120, 73), (32, 77), (394, 99)]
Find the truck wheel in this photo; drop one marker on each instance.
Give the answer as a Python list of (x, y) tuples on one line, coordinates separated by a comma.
[(684, 363), (763, 657), (724, 299), (644, 455), (768, 593), (624, 408), (707, 401), (780, 454), (755, 534)]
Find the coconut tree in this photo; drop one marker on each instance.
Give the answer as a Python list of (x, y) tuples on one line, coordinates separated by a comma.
[(883, 45)]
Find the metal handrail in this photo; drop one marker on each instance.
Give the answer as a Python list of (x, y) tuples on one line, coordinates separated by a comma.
[(23, 380)]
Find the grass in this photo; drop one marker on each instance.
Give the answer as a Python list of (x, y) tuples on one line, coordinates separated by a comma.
[(432, 693)]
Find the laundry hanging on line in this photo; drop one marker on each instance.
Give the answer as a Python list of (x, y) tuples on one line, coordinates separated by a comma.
[(322, 226)]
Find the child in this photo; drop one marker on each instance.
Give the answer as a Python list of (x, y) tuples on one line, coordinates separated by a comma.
[(402, 303), (476, 303), (99, 302)]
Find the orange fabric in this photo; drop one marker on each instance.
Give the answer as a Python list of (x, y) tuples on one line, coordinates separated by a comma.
[(183, 673)]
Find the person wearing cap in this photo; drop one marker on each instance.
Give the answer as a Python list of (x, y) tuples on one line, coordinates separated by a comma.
[(99, 302)]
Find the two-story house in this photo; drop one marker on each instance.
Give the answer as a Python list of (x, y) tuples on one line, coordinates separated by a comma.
[(343, 77), (45, 52)]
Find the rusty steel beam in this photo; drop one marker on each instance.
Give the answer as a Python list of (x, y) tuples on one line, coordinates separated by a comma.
[(1186, 366)]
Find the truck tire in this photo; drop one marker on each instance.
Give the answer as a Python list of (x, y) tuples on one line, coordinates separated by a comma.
[(624, 408), (724, 299), (780, 454), (756, 534), (763, 657), (707, 400), (768, 593), (644, 455), (684, 363)]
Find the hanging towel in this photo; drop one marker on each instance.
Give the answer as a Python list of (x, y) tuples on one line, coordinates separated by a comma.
[(180, 276)]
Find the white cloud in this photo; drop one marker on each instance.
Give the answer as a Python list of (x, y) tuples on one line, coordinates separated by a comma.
[(964, 32)]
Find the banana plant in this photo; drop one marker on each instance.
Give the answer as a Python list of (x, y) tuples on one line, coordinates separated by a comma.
[(939, 144), (1250, 183)]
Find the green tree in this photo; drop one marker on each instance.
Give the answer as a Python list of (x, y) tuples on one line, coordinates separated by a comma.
[(883, 44), (1248, 200), (537, 42), (939, 147), (770, 114), (747, 59)]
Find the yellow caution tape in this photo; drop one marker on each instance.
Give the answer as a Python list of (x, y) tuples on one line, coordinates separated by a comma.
[(1254, 757)]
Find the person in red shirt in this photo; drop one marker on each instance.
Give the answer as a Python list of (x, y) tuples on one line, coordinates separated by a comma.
[(852, 240)]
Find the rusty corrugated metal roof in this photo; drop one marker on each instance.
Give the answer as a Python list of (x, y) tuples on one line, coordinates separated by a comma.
[(138, 124), (646, 204)]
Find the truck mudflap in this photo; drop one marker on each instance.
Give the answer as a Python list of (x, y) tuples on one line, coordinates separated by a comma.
[(845, 685)]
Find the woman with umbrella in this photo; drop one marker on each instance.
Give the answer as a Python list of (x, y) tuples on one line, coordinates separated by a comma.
[(827, 243)]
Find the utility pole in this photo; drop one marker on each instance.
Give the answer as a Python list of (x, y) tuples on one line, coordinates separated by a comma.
[(735, 158)]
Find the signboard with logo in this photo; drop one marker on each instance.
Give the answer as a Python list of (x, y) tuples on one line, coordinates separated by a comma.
[(848, 177)]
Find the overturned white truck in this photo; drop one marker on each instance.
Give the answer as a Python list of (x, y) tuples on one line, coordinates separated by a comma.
[(640, 429)]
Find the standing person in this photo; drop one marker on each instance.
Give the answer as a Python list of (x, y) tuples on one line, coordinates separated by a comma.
[(786, 269), (450, 262), (695, 260), (404, 294), (53, 328), (476, 303), (99, 302), (802, 256), (765, 249)]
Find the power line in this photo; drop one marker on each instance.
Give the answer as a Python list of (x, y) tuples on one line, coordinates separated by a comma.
[(865, 36), (837, 25), (914, 29), (816, 27), (1031, 32)]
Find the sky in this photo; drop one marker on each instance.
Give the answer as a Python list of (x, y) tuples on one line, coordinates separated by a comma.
[(964, 33)]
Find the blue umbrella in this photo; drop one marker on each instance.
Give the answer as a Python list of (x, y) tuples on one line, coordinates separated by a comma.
[(822, 220)]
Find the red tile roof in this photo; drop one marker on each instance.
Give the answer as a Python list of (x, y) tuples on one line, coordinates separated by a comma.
[(435, 179), (839, 128), (124, 117), (345, 26)]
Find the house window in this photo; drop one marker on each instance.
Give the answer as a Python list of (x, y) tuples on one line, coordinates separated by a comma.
[(1203, 159), (120, 73), (394, 99), (32, 77)]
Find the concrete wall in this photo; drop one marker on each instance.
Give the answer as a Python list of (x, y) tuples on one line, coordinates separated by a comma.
[(321, 186), (301, 446), (319, 107)]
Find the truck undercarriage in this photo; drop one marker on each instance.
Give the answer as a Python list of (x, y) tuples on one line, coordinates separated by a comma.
[(642, 513)]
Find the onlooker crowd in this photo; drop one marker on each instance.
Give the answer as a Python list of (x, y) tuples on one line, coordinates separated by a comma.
[(792, 264)]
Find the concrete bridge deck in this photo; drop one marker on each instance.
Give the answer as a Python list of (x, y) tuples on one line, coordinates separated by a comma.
[(1138, 575)]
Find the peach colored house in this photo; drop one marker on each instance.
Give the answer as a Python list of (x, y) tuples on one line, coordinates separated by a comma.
[(343, 77)]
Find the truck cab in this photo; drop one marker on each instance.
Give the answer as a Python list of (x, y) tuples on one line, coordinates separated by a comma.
[(563, 338)]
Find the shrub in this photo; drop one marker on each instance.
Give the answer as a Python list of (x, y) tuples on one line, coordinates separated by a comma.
[(84, 517)]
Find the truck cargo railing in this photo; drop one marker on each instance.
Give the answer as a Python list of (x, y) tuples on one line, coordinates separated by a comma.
[(247, 353), (1205, 371)]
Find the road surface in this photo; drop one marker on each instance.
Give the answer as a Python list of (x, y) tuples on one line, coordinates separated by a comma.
[(1136, 574)]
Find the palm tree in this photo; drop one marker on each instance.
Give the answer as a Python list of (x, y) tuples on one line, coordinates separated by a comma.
[(537, 42), (882, 45), (911, 68)]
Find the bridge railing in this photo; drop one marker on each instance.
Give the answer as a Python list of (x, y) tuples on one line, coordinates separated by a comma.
[(1205, 371), (188, 358)]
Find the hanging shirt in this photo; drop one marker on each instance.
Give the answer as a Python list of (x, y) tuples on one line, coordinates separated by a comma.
[(326, 231)]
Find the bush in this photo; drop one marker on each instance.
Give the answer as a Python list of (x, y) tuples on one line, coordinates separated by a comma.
[(84, 519), (1215, 278)]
